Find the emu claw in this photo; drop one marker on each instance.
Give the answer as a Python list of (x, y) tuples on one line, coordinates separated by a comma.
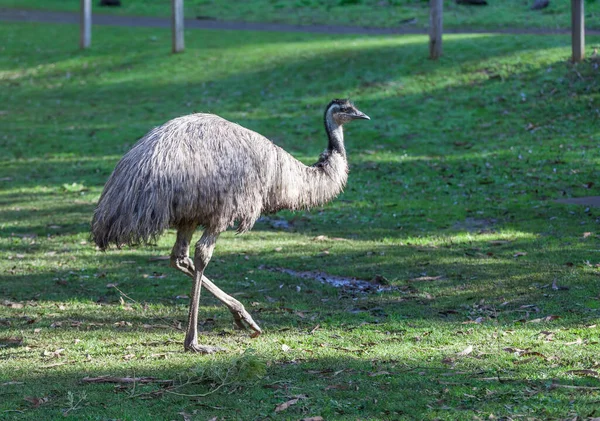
[(202, 349), (241, 316)]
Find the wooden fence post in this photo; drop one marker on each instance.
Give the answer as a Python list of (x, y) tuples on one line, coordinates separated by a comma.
[(578, 30), (436, 28), (177, 25), (85, 30)]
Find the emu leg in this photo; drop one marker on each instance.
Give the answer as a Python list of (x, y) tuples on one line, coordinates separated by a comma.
[(204, 250), (181, 261)]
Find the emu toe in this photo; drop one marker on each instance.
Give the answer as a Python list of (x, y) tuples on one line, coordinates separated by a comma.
[(202, 349), (240, 316)]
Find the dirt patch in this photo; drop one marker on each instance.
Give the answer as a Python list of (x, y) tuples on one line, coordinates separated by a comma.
[(353, 284), (592, 201)]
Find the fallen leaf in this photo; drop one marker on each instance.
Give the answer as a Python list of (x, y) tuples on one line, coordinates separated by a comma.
[(186, 416), (54, 354), (336, 387), (286, 405), (478, 320), (499, 242), (379, 373), (317, 418), (514, 350), (592, 373), (426, 278), (533, 354), (36, 402), (548, 336), (519, 254), (465, 351), (544, 319), (11, 341), (12, 304), (285, 348), (577, 342)]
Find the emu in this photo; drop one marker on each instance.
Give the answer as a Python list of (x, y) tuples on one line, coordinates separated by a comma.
[(202, 170)]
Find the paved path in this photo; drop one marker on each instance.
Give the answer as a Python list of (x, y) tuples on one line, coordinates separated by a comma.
[(15, 15)]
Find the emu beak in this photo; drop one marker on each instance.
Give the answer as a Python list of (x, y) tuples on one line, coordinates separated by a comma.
[(359, 115)]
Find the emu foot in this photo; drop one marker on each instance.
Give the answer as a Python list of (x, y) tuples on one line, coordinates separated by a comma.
[(202, 349), (240, 315)]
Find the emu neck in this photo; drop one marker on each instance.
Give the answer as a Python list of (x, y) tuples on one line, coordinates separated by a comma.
[(335, 133), (298, 186)]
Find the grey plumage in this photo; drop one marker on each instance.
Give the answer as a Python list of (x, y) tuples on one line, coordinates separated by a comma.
[(202, 170)]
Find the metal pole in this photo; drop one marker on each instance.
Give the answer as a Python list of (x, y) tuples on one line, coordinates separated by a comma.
[(578, 30), (177, 25), (85, 30), (435, 28)]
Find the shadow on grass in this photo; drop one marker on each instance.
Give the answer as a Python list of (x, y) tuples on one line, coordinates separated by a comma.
[(331, 387), (472, 281)]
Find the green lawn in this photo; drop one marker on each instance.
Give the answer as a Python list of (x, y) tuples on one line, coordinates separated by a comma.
[(372, 13), (495, 298)]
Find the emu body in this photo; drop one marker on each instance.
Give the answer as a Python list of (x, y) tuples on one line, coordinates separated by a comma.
[(202, 170)]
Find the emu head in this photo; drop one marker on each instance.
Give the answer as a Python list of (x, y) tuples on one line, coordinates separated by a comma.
[(342, 111)]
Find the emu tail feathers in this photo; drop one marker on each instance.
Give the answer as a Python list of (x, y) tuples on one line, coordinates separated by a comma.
[(131, 209)]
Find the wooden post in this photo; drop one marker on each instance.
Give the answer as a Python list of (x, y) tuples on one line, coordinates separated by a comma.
[(177, 25), (85, 30), (578, 30), (436, 8)]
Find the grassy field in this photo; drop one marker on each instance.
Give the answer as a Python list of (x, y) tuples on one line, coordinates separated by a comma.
[(371, 13), (494, 301)]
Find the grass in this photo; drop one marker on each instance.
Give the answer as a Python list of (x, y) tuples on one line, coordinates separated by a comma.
[(494, 307), (371, 13)]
